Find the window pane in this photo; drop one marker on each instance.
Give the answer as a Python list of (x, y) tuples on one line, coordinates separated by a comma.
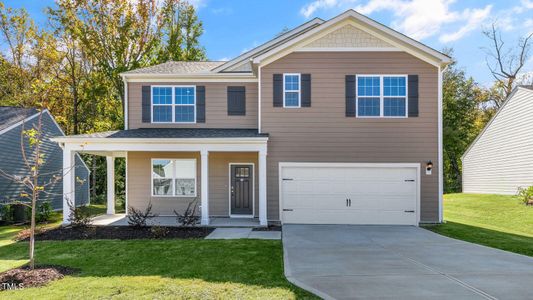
[(394, 86), (185, 113), (291, 98), (368, 86), (185, 187), (162, 113), (184, 95), (162, 95), (292, 82), (163, 187), (394, 107), (368, 106), (185, 168), (162, 168)]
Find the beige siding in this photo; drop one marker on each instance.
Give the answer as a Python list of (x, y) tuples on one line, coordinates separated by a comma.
[(322, 133), (500, 161), (348, 37), (216, 106), (139, 181)]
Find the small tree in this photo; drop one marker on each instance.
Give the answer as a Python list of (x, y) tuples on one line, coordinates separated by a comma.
[(32, 180)]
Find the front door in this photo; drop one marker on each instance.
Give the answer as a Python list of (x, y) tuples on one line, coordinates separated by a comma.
[(241, 189)]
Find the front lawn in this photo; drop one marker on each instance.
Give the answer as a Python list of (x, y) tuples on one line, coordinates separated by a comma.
[(160, 269), (497, 221)]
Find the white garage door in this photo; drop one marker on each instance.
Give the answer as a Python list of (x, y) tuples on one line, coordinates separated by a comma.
[(314, 193)]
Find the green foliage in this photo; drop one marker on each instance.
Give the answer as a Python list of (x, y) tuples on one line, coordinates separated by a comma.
[(6, 213), (463, 119), (526, 195), (44, 212)]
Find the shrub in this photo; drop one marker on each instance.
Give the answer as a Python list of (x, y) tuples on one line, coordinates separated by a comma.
[(159, 232), (189, 216), (137, 218), (526, 195), (6, 213), (79, 216), (44, 212)]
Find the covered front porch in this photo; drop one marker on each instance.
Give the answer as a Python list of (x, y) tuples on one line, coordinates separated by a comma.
[(222, 170)]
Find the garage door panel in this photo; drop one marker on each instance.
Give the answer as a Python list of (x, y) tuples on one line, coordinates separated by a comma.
[(379, 195)]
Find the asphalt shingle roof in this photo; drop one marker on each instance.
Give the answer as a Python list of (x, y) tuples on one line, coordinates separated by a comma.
[(10, 115), (179, 67), (174, 133)]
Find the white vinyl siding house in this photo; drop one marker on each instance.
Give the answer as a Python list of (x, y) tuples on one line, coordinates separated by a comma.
[(500, 160)]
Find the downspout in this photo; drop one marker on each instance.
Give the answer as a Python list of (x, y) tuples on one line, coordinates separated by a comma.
[(440, 143), (259, 99), (125, 102)]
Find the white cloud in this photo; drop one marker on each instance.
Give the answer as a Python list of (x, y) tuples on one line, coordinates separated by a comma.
[(528, 4), (309, 9), (197, 3), (475, 19), (224, 11)]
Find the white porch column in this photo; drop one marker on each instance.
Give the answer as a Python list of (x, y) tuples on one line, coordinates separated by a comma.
[(205, 186), (263, 188), (110, 185), (68, 182)]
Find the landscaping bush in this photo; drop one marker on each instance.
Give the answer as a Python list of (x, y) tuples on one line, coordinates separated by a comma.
[(189, 216), (6, 213), (44, 212), (79, 216), (159, 232), (526, 195), (138, 218)]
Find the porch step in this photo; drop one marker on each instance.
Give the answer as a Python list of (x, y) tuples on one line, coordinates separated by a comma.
[(242, 233)]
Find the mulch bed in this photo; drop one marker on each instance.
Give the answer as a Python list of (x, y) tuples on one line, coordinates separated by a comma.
[(23, 277), (121, 233), (269, 228)]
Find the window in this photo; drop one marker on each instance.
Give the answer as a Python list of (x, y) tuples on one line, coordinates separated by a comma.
[(174, 177), (291, 90), (381, 96), (173, 104)]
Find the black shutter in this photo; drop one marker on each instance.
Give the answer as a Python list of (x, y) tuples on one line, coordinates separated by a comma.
[(306, 90), (412, 81), (350, 96), (146, 104), (200, 104), (278, 90), (236, 101)]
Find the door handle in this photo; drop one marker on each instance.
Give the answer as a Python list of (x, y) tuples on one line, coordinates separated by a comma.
[(287, 209), (409, 211), (232, 190), (350, 202), (346, 202), (409, 180)]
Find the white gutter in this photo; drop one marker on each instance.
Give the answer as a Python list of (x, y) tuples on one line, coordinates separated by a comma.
[(259, 99), (125, 102), (440, 143), (89, 140)]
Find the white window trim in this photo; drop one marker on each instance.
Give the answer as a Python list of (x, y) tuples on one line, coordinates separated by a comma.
[(299, 91), (382, 96), (174, 178), (173, 104)]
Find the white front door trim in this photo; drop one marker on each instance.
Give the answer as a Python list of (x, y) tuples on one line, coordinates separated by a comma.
[(253, 190), (348, 165)]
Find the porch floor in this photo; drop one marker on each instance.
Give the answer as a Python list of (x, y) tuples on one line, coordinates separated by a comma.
[(122, 220)]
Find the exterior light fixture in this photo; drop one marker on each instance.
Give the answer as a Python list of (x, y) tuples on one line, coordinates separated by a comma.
[(429, 167)]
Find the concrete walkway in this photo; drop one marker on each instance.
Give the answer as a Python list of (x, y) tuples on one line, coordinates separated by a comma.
[(242, 233), (400, 262)]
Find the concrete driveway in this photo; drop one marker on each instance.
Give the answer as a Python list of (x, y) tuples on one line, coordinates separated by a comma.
[(400, 262)]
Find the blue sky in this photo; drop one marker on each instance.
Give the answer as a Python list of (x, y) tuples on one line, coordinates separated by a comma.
[(232, 27)]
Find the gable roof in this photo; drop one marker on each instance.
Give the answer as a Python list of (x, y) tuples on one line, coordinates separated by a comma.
[(527, 88), (10, 115), (375, 28)]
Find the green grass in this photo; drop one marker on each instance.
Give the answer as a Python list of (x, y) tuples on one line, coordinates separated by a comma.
[(161, 269), (497, 221)]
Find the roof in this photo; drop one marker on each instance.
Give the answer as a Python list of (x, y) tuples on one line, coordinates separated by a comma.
[(179, 67), (173, 133), (528, 88), (10, 115)]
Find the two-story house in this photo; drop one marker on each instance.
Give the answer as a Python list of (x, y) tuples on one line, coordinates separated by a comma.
[(333, 122)]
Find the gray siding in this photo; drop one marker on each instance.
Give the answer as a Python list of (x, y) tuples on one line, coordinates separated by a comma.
[(500, 159), (322, 132), (11, 162)]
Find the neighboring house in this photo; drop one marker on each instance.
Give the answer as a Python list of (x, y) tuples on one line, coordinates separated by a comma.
[(332, 122), (500, 160), (13, 120)]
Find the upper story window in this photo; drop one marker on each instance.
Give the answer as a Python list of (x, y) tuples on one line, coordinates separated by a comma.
[(173, 104), (291, 90), (382, 96)]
